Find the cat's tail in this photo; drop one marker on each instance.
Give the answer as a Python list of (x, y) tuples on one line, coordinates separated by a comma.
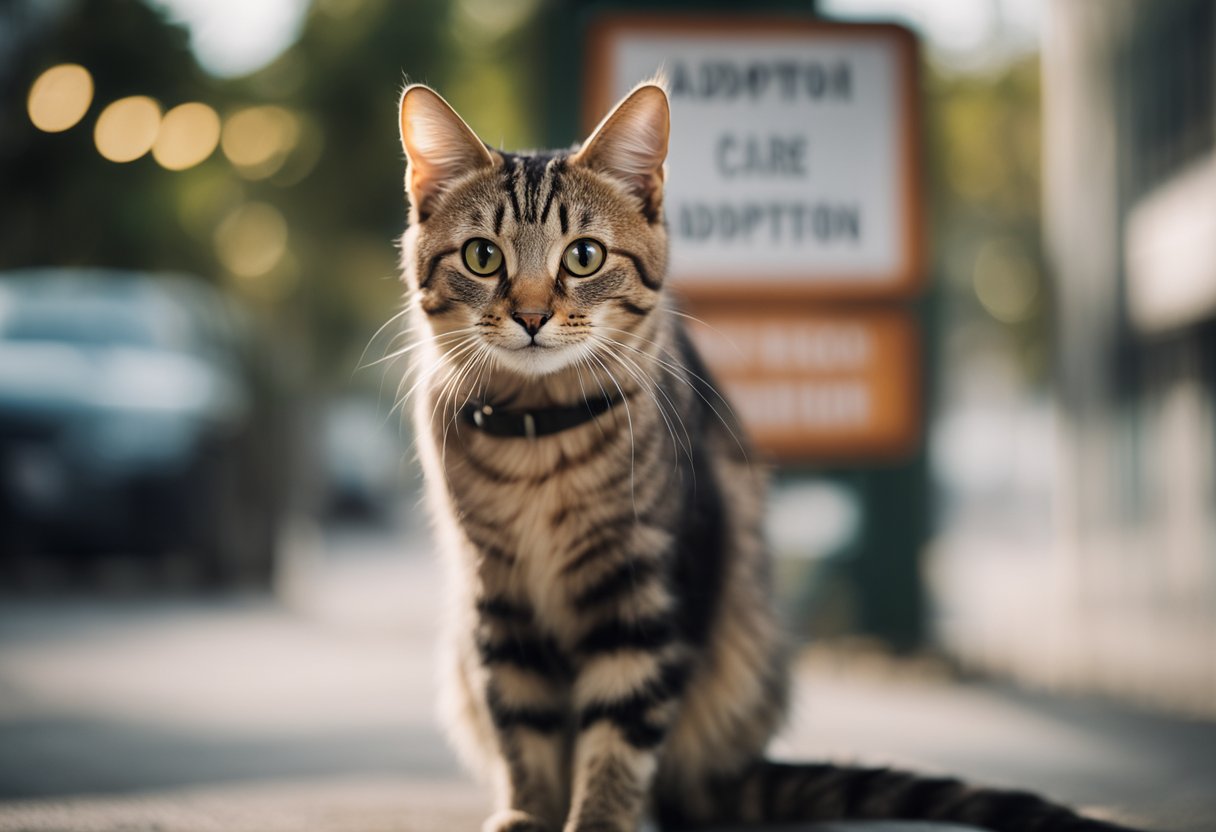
[(771, 792)]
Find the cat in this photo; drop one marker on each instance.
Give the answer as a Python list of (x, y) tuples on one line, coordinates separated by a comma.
[(613, 648)]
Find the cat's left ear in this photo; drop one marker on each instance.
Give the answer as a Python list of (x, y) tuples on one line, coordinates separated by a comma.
[(440, 147), (630, 144)]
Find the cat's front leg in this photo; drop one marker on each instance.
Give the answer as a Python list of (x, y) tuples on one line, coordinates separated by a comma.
[(525, 688), (626, 694)]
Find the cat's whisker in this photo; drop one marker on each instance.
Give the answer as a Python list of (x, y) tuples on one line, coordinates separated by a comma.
[(410, 331), (640, 376), (440, 339), (441, 407), (677, 444), (674, 364), (681, 374), (675, 372), (454, 375), (669, 416), (404, 311), (429, 372), (710, 327), (579, 363), (645, 378), (629, 420), (442, 362), (474, 365)]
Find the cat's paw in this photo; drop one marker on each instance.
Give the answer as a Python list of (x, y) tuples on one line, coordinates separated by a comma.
[(597, 826), (513, 820)]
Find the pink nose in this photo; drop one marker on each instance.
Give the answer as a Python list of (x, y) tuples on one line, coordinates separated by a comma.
[(531, 321)]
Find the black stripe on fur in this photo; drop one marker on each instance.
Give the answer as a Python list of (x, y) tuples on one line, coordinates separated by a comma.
[(538, 655), (504, 609), (617, 582), (559, 166), (543, 720), (630, 715), (772, 792), (647, 280), (432, 264), (641, 634), (509, 173)]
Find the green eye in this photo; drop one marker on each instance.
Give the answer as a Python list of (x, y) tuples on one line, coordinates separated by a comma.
[(583, 258), (482, 257)]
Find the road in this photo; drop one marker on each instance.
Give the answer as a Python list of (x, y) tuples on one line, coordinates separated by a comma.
[(313, 710)]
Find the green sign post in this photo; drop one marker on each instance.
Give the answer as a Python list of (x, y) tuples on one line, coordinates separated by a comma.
[(795, 210)]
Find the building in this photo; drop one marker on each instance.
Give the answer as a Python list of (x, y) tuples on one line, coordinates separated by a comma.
[(1122, 600)]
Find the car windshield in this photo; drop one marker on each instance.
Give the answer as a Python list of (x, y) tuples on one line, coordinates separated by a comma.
[(95, 315), (86, 323)]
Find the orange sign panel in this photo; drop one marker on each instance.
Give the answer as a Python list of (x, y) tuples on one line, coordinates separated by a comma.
[(821, 385)]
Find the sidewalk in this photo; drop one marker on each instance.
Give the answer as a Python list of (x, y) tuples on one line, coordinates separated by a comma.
[(317, 714), (371, 804)]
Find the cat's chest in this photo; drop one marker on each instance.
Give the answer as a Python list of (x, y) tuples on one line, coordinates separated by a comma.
[(542, 504), (542, 490), (543, 547)]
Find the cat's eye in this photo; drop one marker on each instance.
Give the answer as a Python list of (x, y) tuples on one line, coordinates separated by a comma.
[(482, 257), (583, 258)]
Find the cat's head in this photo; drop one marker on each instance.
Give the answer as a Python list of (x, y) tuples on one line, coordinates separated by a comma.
[(534, 258)]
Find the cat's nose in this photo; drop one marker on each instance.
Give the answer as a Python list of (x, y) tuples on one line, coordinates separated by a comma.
[(531, 321)]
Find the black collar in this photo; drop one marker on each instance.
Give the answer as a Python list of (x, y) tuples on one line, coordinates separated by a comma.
[(532, 423)]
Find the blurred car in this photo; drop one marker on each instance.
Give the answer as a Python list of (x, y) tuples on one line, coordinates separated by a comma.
[(363, 458), (130, 421)]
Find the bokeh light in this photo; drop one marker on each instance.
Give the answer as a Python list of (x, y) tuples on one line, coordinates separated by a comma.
[(127, 128), (60, 97), (188, 134), (202, 201), (257, 140), (1006, 281), (487, 20), (299, 163), (252, 239)]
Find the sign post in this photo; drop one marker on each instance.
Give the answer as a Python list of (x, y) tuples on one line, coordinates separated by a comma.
[(794, 211)]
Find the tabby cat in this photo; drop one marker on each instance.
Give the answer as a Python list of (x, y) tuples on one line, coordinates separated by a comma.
[(614, 649)]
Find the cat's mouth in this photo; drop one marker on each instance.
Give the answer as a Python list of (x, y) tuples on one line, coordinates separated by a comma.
[(535, 358)]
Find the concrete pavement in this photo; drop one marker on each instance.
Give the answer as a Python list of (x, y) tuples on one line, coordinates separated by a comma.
[(313, 711)]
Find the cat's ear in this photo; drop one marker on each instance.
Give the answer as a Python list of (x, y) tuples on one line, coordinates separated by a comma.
[(439, 146), (630, 144)]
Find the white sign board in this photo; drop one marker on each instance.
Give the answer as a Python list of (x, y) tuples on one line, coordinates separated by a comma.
[(792, 164)]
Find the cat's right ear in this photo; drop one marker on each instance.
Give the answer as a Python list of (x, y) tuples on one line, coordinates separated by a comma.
[(439, 146), (630, 144)]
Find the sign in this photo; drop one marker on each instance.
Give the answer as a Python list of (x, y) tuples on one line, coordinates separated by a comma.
[(825, 385), (793, 183), (793, 164)]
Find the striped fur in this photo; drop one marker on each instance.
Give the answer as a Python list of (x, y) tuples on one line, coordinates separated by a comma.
[(613, 646)]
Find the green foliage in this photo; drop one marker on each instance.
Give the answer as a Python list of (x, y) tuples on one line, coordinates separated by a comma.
[(63, 204), (984, 161), (339, 189)]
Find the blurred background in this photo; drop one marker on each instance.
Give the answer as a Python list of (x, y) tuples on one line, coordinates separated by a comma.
[(217, 594)]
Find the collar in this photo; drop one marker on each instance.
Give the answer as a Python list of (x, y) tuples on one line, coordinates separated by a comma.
[(531, 424)]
